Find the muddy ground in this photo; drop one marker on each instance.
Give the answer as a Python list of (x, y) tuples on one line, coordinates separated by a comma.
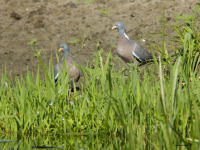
[(53, 22)]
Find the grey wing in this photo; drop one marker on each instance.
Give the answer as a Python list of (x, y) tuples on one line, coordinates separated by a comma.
[(140, 53)]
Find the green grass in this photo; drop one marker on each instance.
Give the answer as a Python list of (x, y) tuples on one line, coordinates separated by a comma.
[(105, 12), (86, 2), (156, 107)]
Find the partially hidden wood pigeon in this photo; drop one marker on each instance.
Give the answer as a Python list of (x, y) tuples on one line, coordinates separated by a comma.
[(128, 50), (74, 72)]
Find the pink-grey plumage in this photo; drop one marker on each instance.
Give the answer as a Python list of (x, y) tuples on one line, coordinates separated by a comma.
[(127, 49), (74, 72)]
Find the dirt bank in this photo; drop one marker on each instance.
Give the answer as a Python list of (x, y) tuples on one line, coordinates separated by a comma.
[(53, 22)]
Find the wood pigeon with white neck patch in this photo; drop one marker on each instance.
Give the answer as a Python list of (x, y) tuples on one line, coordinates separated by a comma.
[(74, 72), (127, 49)]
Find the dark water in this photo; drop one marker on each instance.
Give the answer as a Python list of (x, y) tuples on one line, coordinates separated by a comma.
[(56, 142)]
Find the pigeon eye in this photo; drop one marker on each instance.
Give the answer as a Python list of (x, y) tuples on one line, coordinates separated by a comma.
[(65, 46), (118, 24)]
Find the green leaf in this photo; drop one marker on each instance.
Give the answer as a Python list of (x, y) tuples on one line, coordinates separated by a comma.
[(74, 41), (90, 38), (105, 12), (78, 3), (98, 44), (186, 17), (32, 42), (113, 46), (88, 2), (38, 53)]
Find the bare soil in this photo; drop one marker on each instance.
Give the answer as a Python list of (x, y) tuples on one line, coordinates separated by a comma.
[(53, 22)]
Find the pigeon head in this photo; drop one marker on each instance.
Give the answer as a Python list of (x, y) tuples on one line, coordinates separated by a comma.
[(120, 27), (65, 49)]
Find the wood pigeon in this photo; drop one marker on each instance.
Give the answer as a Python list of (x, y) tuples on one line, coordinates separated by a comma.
[(74, 72), (128, 50)]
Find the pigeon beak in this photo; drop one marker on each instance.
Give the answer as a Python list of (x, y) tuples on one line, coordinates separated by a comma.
[(60, 49), (114, 27)]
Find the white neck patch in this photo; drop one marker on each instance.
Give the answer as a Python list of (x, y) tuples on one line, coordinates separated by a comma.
[(126, 36)]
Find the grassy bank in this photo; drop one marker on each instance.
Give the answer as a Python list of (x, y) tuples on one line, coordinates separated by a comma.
[(157, 106)]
